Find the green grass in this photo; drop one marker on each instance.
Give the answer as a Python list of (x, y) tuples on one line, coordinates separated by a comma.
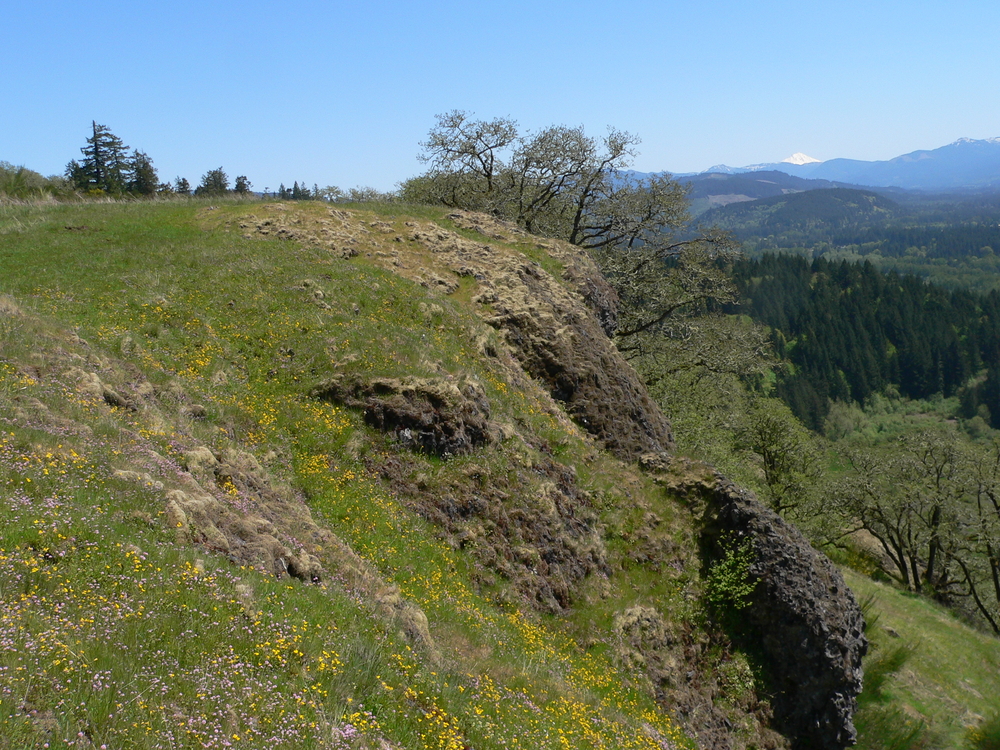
[(951, 681), (112, 633)]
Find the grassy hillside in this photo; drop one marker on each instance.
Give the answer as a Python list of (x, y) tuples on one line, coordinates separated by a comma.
[(950, 678), (124, 626), (200, 547)]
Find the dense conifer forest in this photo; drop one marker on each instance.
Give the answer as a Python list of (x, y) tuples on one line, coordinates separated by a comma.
[(850, 331), (948, 239)]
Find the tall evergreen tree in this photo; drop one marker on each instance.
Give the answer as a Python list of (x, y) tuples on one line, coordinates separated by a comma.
[(105, 165)]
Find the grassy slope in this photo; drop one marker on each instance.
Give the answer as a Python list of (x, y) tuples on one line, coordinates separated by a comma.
[(952, 679), (112, 633)]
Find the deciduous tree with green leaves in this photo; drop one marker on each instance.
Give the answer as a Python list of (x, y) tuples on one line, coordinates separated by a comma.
[(21, 182), (789, 459), (914, 499)]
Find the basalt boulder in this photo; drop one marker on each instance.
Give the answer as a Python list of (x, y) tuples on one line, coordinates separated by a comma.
[(802, 615)]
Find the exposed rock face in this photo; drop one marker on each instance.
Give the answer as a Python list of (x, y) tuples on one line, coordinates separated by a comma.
[(533, 527), (557, 325), (558, 330), (444, 418), (564, 347), (809, 624)]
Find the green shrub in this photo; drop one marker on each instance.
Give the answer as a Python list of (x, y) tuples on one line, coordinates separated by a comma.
[(730, 583)]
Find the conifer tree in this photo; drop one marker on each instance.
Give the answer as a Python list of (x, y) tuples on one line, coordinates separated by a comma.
[(213, 182), (105, 164), (143, 178)]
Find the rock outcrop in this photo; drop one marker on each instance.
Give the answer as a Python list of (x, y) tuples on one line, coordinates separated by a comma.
[(557, 321), (563, 346), (441, 417), (558, 329), (555, 314), (806, 619)]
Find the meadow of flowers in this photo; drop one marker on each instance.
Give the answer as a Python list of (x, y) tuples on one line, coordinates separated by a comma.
[(114, 634)]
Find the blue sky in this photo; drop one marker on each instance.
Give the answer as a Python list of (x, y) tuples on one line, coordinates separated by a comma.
[(339, 93)]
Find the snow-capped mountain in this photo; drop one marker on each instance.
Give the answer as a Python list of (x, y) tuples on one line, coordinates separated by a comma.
[(800, 159), (966, 163)]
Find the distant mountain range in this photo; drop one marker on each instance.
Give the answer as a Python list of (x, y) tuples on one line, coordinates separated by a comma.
[(965, 164), (710, 190)]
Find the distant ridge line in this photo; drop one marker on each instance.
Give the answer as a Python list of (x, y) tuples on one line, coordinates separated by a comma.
[(967, 163)]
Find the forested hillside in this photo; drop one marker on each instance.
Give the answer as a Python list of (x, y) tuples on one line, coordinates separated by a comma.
[(711, 190), (814, 214), (892, 483), (850, 331), (948, 239)]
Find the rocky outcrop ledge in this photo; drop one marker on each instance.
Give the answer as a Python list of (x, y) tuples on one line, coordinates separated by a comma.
[(441, 417), (808, 623)]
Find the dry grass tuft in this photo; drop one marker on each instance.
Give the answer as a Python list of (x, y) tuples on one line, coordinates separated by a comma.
[(9, 308)]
